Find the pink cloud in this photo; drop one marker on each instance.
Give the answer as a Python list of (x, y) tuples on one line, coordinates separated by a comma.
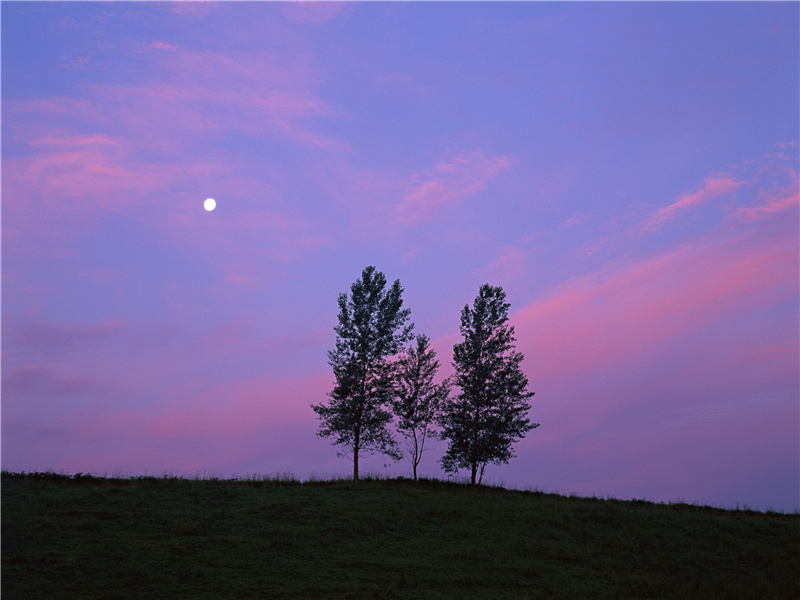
[(238, 410), (266, 423), (450, 180), (712, 187), (155, 144), (780, 200), (188, 94), (750, 191), (159, 45), (70, 181), (610, 317), (209, 91), (95, 170), (103, 417), (773, 205)]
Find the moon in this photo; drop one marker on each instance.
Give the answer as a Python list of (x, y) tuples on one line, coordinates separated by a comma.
[(210, 204)]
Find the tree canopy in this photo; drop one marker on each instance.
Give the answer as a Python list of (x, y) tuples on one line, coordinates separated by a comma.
[(372, 328), (488, 414), (417, 398)]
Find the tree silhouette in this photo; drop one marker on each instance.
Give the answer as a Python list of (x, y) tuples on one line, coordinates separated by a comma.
[(489, 413), (417, 399), (372, 328)]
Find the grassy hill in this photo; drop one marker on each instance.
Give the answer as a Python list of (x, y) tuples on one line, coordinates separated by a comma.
[(86, 537)]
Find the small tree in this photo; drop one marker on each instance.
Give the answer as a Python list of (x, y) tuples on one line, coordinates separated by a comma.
[(489, 413), (417, 399), (372, 327)]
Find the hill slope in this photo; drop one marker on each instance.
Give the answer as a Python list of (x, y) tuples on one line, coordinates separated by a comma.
[(90, 538)]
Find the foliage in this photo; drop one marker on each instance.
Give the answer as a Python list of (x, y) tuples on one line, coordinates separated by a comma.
[(150, 538), (489, 413), (417, 397), (372, 328)]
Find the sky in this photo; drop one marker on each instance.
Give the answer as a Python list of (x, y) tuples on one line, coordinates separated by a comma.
[(627, 172)]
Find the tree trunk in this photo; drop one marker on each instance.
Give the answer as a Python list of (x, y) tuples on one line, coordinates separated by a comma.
[(415, 471), (356, 448), (474, 473)]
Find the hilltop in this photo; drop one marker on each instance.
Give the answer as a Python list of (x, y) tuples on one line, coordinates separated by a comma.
[(146, 537)]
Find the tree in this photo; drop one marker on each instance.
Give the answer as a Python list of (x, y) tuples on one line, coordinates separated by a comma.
[(489, 413), (372, 328), (417, 398)]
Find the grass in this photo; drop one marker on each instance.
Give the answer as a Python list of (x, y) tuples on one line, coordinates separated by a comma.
[(147, 537)]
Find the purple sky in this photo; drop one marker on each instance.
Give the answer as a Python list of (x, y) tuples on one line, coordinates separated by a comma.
[(627, 172)]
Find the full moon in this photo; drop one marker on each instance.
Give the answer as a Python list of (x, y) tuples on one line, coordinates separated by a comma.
[(210, 204)]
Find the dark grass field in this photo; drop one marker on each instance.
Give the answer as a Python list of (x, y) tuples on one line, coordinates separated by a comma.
[(147, 537)]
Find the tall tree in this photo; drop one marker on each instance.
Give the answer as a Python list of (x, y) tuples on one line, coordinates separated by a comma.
[(489, 413), (417, 399), (372, 328)]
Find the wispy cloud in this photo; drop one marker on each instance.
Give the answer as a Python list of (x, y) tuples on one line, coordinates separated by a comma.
[(262, 422), (509, 265), (781, 196), (450, 181), (772, 204), (609, 316), (187, 96), (37, 379), (659, 358), (96, 169), (159, 45), (44, 338), (193, 10), (156, 143), (712, 187), (193, 91), (312, 13), (747, 191)]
